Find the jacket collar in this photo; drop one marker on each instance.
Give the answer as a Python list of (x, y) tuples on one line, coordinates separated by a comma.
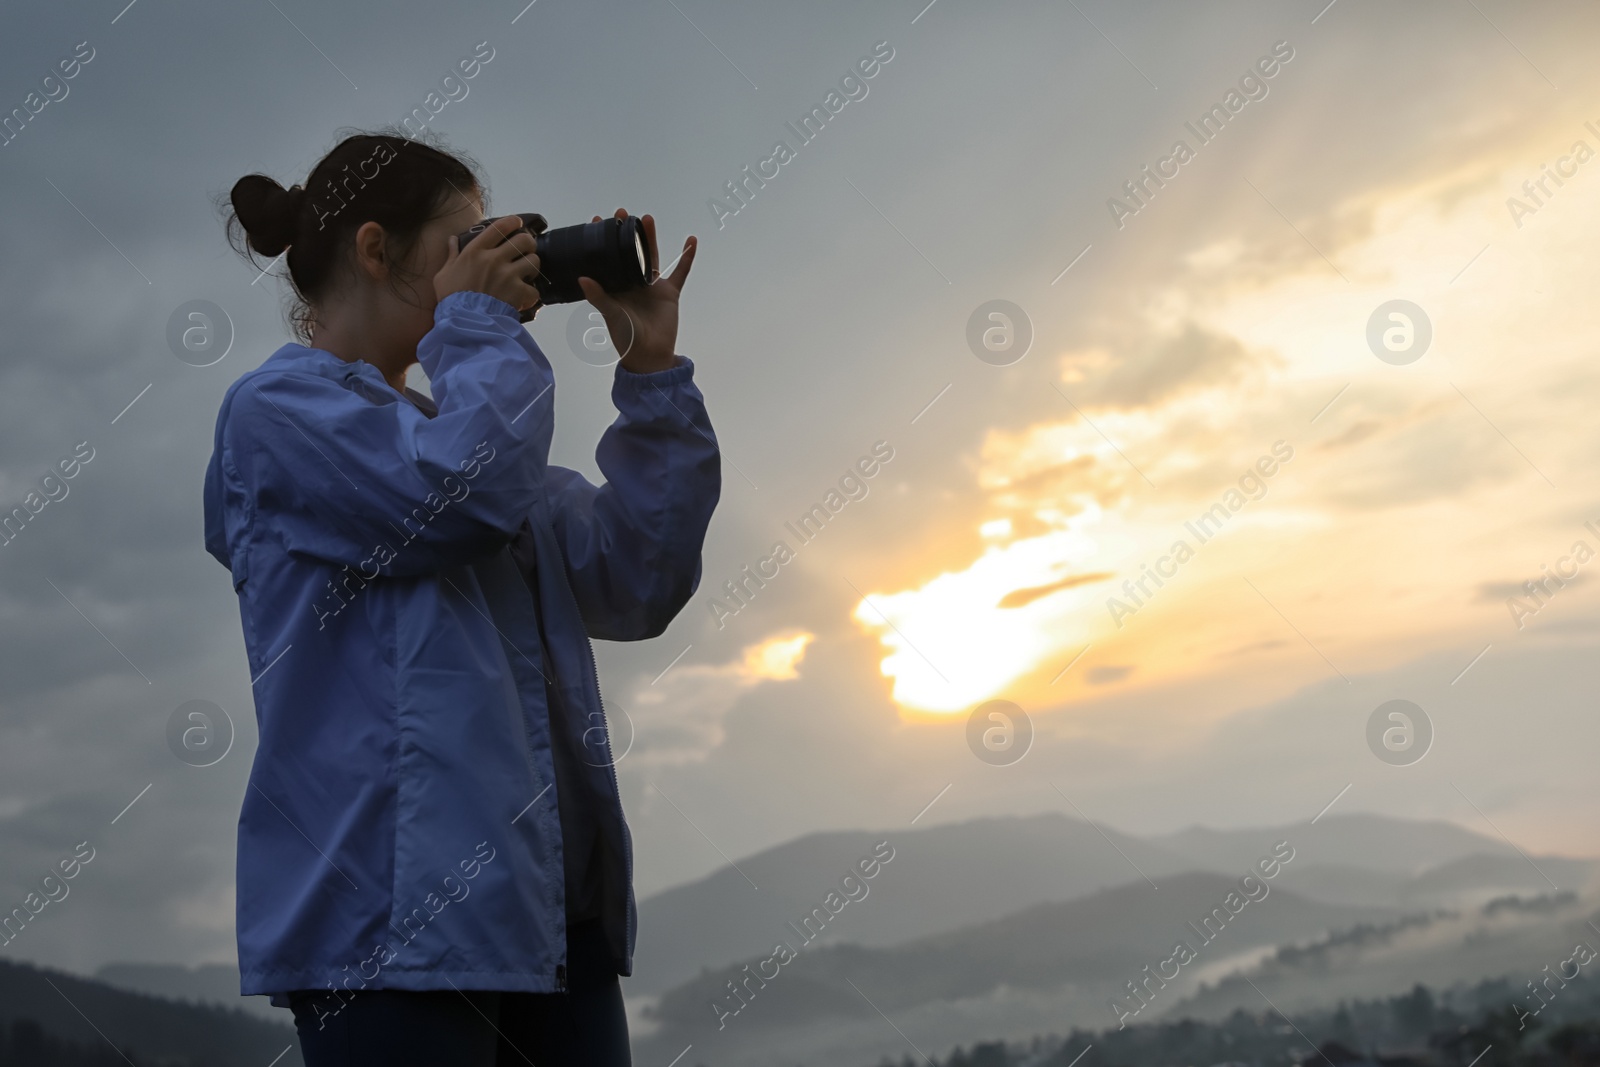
[(306, 360)]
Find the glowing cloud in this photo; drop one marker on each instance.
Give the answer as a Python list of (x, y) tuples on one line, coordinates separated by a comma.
[(776, 658), (680, 714), (967, 634), (1214, 371)]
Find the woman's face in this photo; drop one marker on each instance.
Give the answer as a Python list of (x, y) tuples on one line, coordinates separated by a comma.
[(397, 306), (427, 257), (384, 306)]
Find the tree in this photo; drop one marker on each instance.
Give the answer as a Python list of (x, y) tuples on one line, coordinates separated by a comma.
[(1414, 1012)]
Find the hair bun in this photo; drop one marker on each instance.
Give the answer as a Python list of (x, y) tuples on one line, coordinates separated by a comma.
[(269, 213)]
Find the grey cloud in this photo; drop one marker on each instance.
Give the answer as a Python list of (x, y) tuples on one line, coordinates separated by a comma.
[(1158, 369)]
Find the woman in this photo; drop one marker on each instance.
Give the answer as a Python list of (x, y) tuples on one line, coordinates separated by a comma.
[(433, 864)]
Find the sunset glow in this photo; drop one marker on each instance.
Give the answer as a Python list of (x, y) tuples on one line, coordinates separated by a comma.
[(1276, 355)]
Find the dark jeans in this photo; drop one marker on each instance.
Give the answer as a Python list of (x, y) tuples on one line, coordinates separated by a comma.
[(474, 1028)]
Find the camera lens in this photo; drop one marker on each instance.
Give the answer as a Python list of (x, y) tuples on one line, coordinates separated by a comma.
[(611, 251), (614, 252)]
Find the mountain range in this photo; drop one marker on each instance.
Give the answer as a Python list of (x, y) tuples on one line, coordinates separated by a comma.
[(973, 872), (1015, 925)]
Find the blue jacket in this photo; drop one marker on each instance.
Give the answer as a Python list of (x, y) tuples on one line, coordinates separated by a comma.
[(396, 561)]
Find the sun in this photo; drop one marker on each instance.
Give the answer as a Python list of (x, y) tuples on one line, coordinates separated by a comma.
[(964, 636)]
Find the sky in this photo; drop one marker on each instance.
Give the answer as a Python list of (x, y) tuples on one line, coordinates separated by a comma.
[(1211, 342)]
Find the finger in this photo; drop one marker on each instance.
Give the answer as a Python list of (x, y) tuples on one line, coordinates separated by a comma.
[(680, 274), (527, 296), (503, 227), (649, 225), (595, 219), (527, 269), (592, 292), (520, 248), (620, 213), (499, 231), (520, 245), (453, 249)]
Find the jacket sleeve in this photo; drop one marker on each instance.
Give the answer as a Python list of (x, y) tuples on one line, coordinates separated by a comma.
[(342, 475), (632, 546)]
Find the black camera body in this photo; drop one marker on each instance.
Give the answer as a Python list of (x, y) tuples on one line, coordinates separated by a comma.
[(614, 252)]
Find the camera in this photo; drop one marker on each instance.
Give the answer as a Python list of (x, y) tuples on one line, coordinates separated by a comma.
[(614, 252)]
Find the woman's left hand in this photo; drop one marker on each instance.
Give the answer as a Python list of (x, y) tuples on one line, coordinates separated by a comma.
[(643, 322)]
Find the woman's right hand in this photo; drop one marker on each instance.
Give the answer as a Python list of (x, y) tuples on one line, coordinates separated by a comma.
[(494, 262)]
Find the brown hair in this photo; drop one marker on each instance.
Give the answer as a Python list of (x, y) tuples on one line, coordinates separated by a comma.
[(396, 181)]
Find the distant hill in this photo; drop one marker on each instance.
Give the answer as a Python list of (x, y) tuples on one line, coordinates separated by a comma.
[(720, 918), (151, 1030), (26, 1044), (1514, 936), (206, 983), (1100, 942), (1494, 875), (1420, 1027), (1354, 860), (1372, 842), (1060, 966), (1466, 881)]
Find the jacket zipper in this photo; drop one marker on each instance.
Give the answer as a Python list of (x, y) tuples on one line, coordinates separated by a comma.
[(551, 683), (611, 760), (552, 689)]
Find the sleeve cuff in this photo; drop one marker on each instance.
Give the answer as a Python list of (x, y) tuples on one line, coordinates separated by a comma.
[(472, 300), (628, 382)]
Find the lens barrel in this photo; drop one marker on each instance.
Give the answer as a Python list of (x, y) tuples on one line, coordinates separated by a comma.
[(614, 252)]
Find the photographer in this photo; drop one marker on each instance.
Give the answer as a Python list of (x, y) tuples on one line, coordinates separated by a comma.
[(418, 586)]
